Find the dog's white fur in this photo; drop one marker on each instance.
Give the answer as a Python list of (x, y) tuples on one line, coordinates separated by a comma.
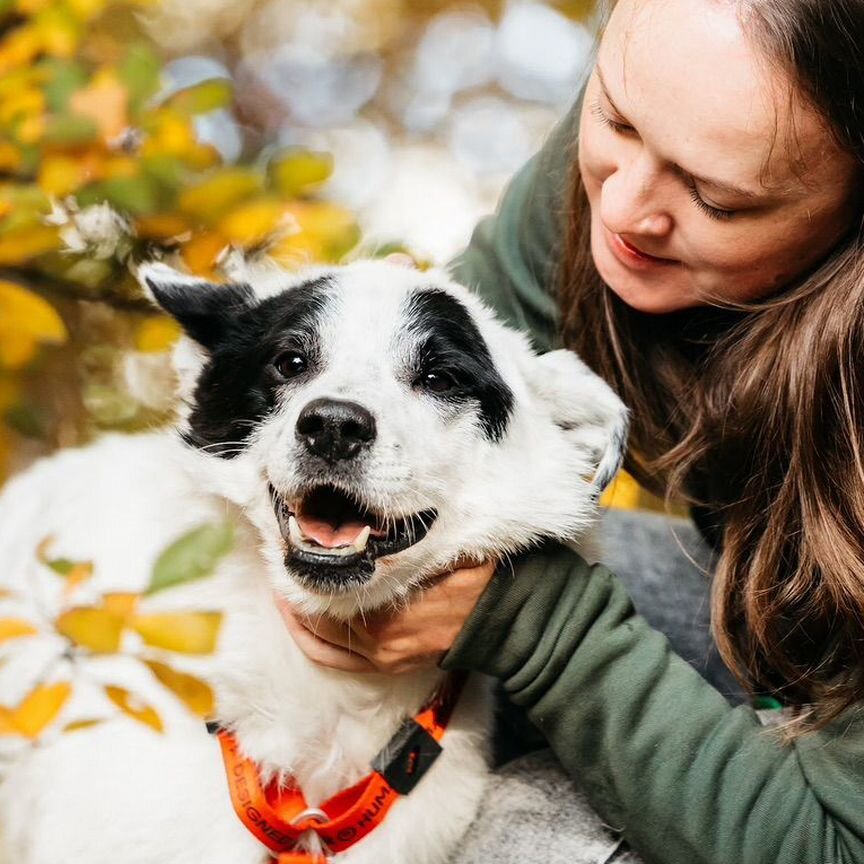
[(120, 794)]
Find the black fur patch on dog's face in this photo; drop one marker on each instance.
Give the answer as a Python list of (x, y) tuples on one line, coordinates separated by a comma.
[(238, 386), (453, 363)]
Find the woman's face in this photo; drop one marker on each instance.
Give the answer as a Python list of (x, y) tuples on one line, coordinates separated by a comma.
[(707, 180)]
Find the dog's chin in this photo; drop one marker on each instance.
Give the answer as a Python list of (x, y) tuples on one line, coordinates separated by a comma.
[(332, 541)]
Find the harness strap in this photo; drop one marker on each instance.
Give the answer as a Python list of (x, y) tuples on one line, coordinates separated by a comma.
[(279, 816)]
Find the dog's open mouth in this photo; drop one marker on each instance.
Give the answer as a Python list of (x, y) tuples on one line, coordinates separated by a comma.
[(325, 527)]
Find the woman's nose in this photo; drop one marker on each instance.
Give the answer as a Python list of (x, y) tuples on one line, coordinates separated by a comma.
[(632, 200)]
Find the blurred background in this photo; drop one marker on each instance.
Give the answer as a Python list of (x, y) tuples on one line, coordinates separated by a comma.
[(306, 130)]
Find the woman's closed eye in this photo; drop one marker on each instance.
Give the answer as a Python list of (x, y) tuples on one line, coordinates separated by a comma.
[(622, 127), (708, 209), (614, 123)]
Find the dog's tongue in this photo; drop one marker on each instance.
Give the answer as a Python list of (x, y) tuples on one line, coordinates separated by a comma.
[(328, 535)]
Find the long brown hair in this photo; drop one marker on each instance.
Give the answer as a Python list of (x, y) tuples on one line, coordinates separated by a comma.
[(759, 413)]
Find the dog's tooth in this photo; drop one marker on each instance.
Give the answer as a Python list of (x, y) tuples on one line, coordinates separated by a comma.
[(294, 532), (359, 545)]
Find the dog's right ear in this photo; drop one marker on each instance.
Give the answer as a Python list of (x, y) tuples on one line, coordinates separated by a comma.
[(204, 310), (586, 409)]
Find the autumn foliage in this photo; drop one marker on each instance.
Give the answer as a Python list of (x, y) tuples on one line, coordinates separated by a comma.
[(102, 164)]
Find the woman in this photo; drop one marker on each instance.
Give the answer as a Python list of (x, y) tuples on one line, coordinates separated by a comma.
[(710, 265)]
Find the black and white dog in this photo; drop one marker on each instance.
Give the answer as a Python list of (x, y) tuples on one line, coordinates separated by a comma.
[(365, 427)]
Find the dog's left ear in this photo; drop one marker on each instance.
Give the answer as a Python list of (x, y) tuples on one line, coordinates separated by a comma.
[(586, 408), (204, 310)]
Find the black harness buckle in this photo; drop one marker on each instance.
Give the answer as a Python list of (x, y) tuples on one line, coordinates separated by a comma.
[(408, 755)]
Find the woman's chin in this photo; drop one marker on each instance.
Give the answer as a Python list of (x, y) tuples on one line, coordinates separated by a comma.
[(651, 296)]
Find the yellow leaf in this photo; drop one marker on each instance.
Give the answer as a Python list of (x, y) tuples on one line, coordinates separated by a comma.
[(24, 312), (299, 172), (192, 691), (59, 31), (7, 722), (29, 7), (87, 9), (170, 134), (251, 223), (93, 628), (161, 226), (326, 232), (121, 166), (16, 349), (120, 603), (26, 102), (201, 98), (32, 129), (157, 334), (200, 253), (185, 632), (76, 725), (14, 628), (215, 196), (134, 707), (200, 157), (61, 175), (40, 707), (10, 157), (105, 102), (622, 493), (18, 247), (19, 47)]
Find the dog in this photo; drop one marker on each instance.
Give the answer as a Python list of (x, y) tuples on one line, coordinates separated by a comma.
[(366, 427)]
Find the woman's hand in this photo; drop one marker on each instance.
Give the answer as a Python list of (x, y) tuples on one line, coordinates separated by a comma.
[(413, 637)]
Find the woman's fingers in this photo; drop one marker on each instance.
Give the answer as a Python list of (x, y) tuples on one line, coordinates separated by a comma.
[(393, 641), (324, 641)]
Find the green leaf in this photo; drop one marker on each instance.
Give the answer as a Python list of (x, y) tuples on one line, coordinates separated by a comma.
[(128, 194), (140, 71), (168, 171), (25, 421), (193, 556), (62, 566), (70, 130), (210, 95), (64, 78)]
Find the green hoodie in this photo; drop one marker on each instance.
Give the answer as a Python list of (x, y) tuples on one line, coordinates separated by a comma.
[(662, 756)]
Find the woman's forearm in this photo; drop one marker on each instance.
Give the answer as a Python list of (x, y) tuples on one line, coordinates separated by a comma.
[(662, 755)]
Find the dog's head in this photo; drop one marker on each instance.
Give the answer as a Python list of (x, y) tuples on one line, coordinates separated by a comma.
[(376, 423)]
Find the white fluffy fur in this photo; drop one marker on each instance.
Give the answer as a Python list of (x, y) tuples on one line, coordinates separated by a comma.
[(120, 794)]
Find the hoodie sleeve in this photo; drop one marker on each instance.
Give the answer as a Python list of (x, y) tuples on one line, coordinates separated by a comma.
[(663, 757)]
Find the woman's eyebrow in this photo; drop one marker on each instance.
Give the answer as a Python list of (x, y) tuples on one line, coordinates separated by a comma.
[(718, 185)]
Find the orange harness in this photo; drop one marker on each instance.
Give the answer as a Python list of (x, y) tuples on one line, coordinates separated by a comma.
[(279, 816)]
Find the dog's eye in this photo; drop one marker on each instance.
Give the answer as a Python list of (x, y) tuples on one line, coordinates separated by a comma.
[(437, 382), (290, 364)]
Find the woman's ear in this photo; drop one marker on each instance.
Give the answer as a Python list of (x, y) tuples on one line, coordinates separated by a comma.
[(586, 409), (203, 309)]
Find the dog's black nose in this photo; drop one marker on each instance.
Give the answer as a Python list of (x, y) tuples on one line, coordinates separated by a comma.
[(335, 429)]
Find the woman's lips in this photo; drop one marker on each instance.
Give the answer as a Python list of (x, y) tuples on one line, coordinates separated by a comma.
[(630, 256)]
